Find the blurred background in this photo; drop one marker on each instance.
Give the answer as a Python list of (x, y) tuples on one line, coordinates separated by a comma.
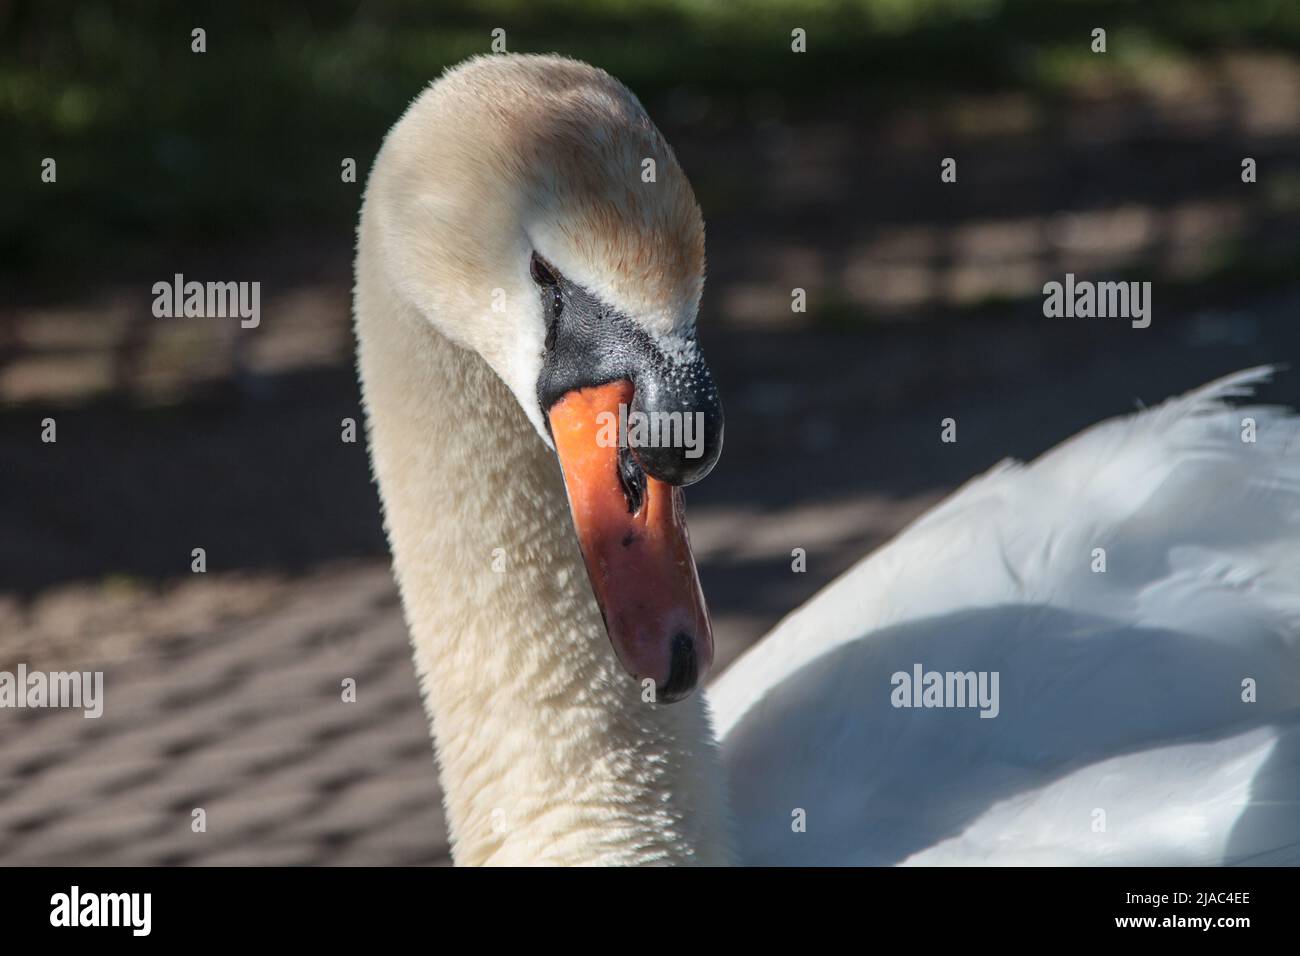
[(817, 170)]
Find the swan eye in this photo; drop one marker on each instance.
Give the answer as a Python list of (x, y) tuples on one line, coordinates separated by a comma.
[(545, 277), (541, 272)]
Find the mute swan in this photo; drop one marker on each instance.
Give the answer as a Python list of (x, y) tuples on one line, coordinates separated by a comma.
[(515, 277)]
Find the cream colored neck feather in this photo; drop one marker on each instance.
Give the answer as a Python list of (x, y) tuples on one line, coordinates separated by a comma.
[(546, 750)]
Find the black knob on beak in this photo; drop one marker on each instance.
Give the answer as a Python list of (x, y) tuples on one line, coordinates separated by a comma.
[(674, 427), (682, 415)]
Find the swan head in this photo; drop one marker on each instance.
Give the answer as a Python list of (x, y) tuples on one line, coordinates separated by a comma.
[(528, 208)]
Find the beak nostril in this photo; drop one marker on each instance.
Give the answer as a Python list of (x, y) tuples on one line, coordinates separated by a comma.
[(632, 477)]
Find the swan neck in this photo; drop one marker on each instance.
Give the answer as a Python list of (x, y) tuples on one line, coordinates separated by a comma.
[(547, 752)]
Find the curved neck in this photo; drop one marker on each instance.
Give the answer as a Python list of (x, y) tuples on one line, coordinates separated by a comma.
[(546, 751)]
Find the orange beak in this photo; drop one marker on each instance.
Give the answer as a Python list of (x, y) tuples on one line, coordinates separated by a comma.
[(635, 545)]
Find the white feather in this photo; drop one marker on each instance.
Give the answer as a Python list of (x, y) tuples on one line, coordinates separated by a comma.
[(1122, 734)]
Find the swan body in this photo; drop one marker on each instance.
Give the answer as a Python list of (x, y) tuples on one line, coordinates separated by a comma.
[(1121, 735), (1121, 732)]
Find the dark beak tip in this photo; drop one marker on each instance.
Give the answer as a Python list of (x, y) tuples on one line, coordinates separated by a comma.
[(683, 672)]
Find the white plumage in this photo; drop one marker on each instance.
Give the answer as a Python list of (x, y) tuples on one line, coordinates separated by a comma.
[(1122, 734)]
